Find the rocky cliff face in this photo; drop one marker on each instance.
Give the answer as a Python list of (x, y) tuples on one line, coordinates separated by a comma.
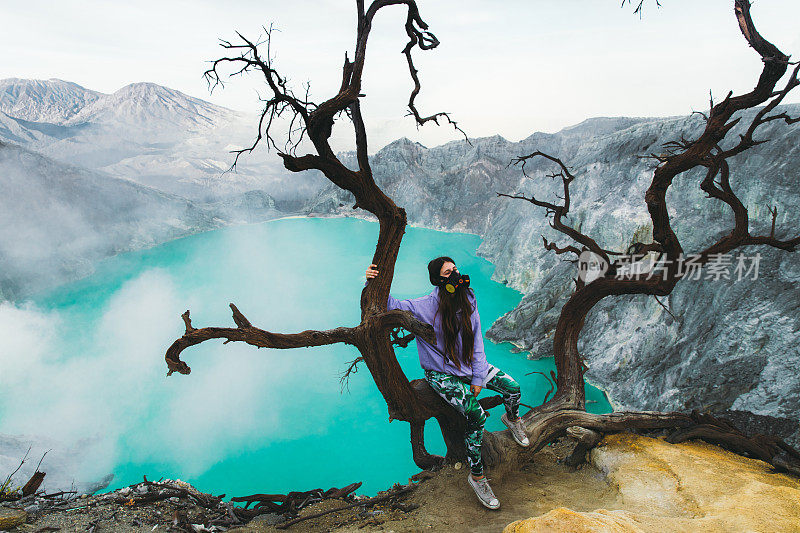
[(725, 343)]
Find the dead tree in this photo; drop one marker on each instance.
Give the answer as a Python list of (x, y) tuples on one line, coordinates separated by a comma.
[(567, 407), (377, 333)]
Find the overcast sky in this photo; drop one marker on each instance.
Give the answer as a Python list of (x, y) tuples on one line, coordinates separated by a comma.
[(503, 67)]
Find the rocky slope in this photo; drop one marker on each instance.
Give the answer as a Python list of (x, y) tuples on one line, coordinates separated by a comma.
[(727, 343), (54, 101), (679, 488)]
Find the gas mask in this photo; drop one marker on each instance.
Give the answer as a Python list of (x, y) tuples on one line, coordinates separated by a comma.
[(455, 282)]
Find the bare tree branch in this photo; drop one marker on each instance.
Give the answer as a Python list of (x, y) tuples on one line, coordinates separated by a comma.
[(316, 121), (639, 9), (569, 248), (282, 99), (681, 155), (245, 332), (560, 211)]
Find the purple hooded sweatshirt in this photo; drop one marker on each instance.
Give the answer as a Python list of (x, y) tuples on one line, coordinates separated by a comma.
[(424, 309)]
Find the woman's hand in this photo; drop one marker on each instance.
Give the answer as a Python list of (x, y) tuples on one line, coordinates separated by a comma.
[(476, 389), (372, 271)]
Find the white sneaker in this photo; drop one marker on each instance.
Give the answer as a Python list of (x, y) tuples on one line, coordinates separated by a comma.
[(517, 429), (484, 492)]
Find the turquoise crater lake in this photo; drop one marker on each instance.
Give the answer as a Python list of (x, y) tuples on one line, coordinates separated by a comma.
[(245, 420)]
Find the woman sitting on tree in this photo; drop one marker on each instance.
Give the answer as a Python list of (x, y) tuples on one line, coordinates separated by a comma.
[(458, 374)]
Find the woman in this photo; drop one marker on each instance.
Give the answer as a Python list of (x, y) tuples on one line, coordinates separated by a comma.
[(459, 374)]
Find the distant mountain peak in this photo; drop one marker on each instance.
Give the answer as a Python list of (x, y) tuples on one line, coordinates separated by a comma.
[(603, 125), (141, 104), (53, 100), (147, 103), (492, 139), (404, 142), (147, 88)]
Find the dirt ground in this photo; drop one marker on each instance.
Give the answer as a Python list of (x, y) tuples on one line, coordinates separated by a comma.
[(445, 503)]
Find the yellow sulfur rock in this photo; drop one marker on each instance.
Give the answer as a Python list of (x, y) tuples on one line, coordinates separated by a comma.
[(569, 521), (11, 518), (680, 488)]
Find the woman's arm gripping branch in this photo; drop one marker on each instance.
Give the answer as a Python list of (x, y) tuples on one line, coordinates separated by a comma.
[(393, 303)]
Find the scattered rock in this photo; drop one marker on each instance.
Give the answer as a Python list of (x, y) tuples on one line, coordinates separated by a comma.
[(269, 519), (631, 483), (10, 518), (569, 521), (96, 486)]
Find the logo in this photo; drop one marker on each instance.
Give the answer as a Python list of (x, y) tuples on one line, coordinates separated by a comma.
[(591, 266)]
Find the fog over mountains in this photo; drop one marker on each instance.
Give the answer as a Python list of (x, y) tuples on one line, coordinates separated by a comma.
[(58, 219), (147, 162)]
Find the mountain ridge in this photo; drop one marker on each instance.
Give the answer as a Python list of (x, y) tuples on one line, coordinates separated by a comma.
[(145, 101), (151, 134), (53, 100)]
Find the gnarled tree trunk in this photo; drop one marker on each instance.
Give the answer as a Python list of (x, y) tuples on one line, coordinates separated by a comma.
[(377, 333), (566, 408)]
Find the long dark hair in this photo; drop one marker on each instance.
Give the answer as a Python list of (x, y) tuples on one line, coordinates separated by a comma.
[(456, 311)]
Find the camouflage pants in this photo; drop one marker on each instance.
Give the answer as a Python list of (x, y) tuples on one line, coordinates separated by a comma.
[(457, 392)]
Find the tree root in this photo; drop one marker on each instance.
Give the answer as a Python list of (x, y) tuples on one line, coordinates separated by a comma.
[(394, 493), (502, 453), (294, 501)]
